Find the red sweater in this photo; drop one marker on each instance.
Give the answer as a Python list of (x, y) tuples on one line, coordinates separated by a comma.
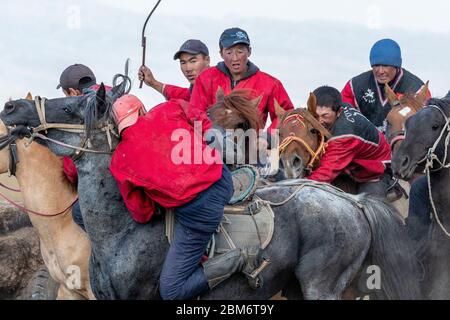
[(357, 148), (144, 167), (260, 83)]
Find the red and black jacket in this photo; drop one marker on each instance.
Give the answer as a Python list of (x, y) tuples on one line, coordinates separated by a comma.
[(357, 148), (364, 93)]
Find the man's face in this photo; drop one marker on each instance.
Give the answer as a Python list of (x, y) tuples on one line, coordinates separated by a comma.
[(236, 59), (384, 74), (327, 117), (192, 65)]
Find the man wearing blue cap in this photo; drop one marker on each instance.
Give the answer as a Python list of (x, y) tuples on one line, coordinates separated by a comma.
[(366, 91), (194, 58), (237, 72)]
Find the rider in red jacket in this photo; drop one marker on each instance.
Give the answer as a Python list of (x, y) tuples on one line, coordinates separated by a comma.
[(194, 58), (162, 158), (357, 147), (237, 72)]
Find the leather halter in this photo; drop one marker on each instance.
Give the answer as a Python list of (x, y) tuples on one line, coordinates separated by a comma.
[(74, 128), (315, 155)]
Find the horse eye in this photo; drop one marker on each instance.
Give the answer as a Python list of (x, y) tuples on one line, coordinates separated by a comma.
[(314, 131), (435, 127), (67, 110)]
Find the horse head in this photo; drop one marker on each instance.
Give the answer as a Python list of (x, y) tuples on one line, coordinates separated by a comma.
[(58, 116), (402, 109), (427, 137), (302, 139), (236, 110)]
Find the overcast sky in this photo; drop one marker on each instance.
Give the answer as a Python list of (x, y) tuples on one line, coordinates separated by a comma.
[(303, 43)]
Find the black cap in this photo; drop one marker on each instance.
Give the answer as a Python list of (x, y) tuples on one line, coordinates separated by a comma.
[(71, 77), (232, 37), (192, 46)]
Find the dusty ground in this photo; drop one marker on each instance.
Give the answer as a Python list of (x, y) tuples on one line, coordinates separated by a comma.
[(20, 256)]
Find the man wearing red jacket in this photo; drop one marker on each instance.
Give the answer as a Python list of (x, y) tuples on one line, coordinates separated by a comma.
[(147, 172), (366, 91), (194, 58), (237, 72), (357, 147)]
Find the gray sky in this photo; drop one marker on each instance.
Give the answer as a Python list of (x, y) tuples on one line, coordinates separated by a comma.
[(305, 44)]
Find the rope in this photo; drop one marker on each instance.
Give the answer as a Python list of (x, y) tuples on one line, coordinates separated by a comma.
[(430, 158), (41, 136), (8, 188), (35, 212)]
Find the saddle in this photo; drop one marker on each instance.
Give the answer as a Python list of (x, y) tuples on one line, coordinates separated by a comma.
[(248, 220)]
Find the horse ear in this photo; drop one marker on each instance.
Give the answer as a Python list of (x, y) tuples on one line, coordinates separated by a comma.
[(29, 96), (101, 99), (423, 93), (279, 111), (312, 105), (220, 95), (390, 94)]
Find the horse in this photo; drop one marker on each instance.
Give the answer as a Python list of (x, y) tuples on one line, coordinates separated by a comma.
[(402, 109), (238, 114), (426, 149), (322, 238), (48, 197)]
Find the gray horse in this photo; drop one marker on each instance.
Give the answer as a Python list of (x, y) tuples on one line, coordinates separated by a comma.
[(323, 242), (427, 143)]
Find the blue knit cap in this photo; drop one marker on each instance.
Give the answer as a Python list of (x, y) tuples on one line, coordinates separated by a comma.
[(386, 52)]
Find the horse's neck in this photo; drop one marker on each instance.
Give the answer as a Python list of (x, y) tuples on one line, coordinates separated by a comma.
[(100, 199), (42, 182), (440, 187)]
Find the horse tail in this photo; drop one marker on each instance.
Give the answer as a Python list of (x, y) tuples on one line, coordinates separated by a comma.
[(392, 251)]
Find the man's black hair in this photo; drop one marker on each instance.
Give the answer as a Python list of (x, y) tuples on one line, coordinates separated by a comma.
[(328, 97)]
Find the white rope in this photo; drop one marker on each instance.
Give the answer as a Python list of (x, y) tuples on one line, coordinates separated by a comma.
[(430, 158)]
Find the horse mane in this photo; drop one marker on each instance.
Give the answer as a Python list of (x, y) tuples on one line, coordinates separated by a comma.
[(310, 118), (93, 116), (443, 104), (240, 101)]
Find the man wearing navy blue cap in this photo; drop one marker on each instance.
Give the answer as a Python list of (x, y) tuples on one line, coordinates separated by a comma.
[(194, 58), (236, 71), (366, 91)]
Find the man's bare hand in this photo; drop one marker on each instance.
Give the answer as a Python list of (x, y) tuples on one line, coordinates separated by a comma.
[(146, 75)]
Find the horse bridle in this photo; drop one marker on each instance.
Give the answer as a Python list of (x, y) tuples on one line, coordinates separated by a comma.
[(429, 160), (315, 155), (108, 128), (10, 141)]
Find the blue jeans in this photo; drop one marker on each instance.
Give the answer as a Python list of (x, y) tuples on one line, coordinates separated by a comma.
[(418, 221), (182, 276), (76, 215)]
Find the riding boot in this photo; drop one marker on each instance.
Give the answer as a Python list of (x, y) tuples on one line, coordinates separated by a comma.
[(220, 268)]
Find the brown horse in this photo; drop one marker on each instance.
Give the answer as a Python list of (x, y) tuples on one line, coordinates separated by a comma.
[(65, 248), (402, 109), (240, 114), (303, 139)]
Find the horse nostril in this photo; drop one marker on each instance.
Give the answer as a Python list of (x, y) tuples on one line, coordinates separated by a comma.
[(405, 162), (9, 107), (297, 162)]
